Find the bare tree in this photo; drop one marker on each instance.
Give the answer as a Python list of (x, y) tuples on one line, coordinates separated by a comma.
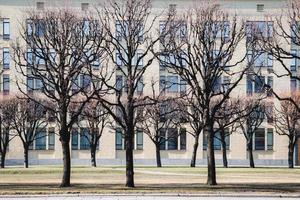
[(284, 44), (156, 119), (28, 121), (95, 118), (202, 57), (287, 123), (62, 50), (249, 122), (130, 43), (6, 117)]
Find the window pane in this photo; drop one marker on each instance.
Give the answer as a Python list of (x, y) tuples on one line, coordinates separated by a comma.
[(270, 139), (84, 139), (51, 139), (6, 58), (40, 143), (162, 145), (6, 82), (249, 86), (172, 83), (259, 84), (172, 139), (204, 141), (74, 139), (182, 139), (6, 29), (217, 141), (260, 139), (139, 140), (119, 139)]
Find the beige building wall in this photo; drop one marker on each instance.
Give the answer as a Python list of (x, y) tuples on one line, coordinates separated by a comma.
[(107, 153)]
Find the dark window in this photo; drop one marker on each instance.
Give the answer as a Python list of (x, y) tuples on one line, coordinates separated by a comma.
[(259, 84), (6, 58), (139, 140), (6, 29), (259, 139), (162, 134), (74, 139), (249, 86), (119, 139), (51, 139), (6, 83), (84, 139), (270, 139), (40, 143), (183, 139), (172, 139)]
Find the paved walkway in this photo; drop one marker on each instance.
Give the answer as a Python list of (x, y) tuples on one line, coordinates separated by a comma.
[(116, 197)]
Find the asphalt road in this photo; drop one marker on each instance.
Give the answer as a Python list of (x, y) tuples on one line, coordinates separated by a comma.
[(98, 197)]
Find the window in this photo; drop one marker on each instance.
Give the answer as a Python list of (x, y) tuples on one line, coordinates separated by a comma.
[(119, 139), (86, 27), (139, 140), (6, 58), (74, 133), (270, 139), (293, 84), (293, 66), (182, 139), (259, 28), (172, 84), (84, 139), (119, 83), (140, 86), (139, 60), (40, 28), (40, 5), (217, 85), (217, 141), (6, 29), (51, 139), (118, 31), (269, 113), (118, 59), (260, 7), (259, 84), (249, 85), (29, 57), (163, 137), (6, 83), (172, 139), (162, 83), (29, 27), (183, 86), (259, 139), (40, 142), (270, 86), (29, 84), (39, 59), (85, 81), (84, 6), (162, 62)]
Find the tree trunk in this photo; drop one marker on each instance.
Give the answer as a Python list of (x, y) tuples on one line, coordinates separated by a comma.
[(158, 158), (3, 154), (129, 158), (291, 155), (93, 156), (66, 165), (211, 165), (250, 153), (195, 148), (26, 156), (224, 150)]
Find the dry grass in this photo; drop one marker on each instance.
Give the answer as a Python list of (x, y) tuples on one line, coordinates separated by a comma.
[(45, 180)]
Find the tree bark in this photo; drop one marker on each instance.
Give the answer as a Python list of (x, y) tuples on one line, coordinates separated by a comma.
[(291, 155), (129, 159), (195, 148), (224, 150), (211, 165), (66, 165), (158, 158), (93, 156), (3, 154), (26, 156), (250, 153)]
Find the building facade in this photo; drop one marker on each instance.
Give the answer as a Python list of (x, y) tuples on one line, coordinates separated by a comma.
[(269, 147)]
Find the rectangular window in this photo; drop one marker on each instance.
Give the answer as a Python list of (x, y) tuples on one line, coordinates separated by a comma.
[(119, 83), (119, 139), (140, 86), (182, 86), (270, 139), (85, 81), (118, 31), (139, 140), (217, 85), (40, 142), (29, 27), (293, 85), (293, 61), (6, 83), (269, 113), (270, 85), (51, 139), (172, 139), (249, 85), (260, 7), (217, 141), (162, 83), (29, 57), (6, 58), (259, 84), (172, 83), (227, 139), (84, 139), (183, 139), (6, 29), (118, 59), (40, 28), (162, 62), (39, 59), (74, 139), (270, 61), (162, 135), (259, 139), (139, 60)]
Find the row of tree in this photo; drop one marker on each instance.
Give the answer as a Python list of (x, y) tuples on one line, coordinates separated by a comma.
[(71, 60)]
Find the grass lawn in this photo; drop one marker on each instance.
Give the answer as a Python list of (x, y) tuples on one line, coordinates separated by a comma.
[(46, 179)]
